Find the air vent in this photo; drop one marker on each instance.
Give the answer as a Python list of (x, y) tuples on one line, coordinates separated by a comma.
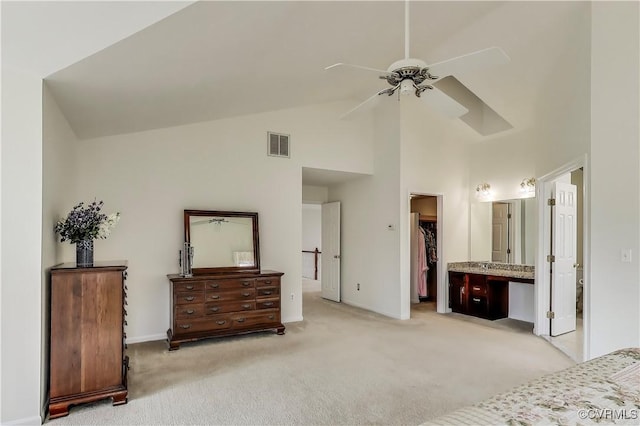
[(278, 145)]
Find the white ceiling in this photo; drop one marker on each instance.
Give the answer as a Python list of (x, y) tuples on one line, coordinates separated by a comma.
[(218, 59)]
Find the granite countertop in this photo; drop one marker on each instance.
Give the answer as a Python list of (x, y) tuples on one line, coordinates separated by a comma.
[(494, 268)]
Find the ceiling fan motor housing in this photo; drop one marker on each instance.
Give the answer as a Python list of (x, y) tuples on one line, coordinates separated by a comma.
[(413, 69), (409, 69)]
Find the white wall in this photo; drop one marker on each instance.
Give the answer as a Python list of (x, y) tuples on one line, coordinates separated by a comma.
[(151, 177), (369, 250), (33, 47), (615, 177), (21, 249), (434, 161), (58, 192), (312, 194), (311, 238)]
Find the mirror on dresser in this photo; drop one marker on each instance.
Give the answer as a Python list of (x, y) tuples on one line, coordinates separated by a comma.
[(504, 231), (222, 241)]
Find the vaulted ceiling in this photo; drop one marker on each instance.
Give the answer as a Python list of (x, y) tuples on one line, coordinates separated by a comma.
[(217, 59)]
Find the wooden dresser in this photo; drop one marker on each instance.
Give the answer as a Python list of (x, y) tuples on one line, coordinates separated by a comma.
[(87, 360), (223, 304)]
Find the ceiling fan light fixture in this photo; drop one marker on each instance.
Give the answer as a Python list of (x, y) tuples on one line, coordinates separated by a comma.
[(407, 87)]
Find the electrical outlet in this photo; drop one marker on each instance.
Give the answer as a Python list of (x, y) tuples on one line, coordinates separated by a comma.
[(291, 296), (358, 287)]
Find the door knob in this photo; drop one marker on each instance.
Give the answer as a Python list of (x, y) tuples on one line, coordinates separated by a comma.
[(336, 256), (575, 265)]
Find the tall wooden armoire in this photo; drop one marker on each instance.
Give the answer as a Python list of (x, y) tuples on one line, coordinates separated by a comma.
[(87, 358)]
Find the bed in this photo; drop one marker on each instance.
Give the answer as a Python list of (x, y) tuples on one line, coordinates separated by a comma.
[(604, 390)]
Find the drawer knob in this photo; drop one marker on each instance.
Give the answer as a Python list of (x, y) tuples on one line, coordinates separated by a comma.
[(267, 304), (214, 309), (475, 299), (214, 285), (267, 293), (241, 319), (189, 298), (221, 322), (246, 294), (268, 281), (188, 287), (246, 283), (190, 311), (271, 317), (247, 306), (476, 288), (185, 326), (215, 297)]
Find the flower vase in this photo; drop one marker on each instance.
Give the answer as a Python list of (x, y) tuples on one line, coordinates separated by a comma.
[(84, 253)]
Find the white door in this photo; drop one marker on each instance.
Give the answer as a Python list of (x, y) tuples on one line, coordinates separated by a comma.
[(563, 269), (413, 262), (330, 277), (500, 233)]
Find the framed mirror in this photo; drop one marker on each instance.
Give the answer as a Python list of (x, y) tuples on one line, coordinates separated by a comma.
[(222, 241), (504, 231)]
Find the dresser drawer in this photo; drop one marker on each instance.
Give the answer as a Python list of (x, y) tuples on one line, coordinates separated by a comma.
[(264, 292), (192, 310), (251, 319), (267, 304), (234, 295), (188, 286), (188, 298), (219, 308), (198, 325), (267, 281), (230, 284)]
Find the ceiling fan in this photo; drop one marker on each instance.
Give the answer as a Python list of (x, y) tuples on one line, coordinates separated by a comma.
[(410, 75)]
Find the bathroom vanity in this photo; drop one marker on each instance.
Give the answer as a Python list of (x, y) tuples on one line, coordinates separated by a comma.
[(481, 289)]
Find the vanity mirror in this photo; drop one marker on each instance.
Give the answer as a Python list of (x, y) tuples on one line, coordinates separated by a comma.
[(504, 231), (222, 241)]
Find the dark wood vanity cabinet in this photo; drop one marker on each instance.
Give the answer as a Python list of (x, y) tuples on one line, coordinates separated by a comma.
[(483, 296), (87, 360), (224, 304), (457, 292)]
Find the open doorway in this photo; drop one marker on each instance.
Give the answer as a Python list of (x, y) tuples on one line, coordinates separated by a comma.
[(561, 314), (425, 238), (311, 244)]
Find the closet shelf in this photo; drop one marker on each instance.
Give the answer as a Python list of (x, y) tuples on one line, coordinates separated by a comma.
[(428, 218)]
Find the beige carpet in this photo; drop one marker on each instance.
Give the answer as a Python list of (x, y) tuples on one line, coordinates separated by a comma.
[(340, 366)]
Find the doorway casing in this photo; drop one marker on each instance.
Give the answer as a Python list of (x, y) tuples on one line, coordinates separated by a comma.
[(542, 290), (442, 288)]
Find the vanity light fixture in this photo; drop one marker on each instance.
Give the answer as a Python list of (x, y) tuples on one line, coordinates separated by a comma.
[(528, 185), (483, 190)]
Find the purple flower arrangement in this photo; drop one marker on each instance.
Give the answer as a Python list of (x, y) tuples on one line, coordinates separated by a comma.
[(86, 222)]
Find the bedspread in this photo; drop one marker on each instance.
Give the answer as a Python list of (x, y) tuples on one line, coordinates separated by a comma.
[(604, 390)]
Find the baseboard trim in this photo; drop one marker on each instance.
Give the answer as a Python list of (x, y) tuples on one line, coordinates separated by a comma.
[(294, 319), (34, 420), (147, 338), (368, 308)]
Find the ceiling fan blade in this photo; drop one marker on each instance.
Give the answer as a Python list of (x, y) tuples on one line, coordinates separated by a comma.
[(366, 105), (471, 61), (442, 103), (341, 64)]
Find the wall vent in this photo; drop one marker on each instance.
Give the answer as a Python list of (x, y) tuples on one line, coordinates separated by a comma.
[(278, 145)]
